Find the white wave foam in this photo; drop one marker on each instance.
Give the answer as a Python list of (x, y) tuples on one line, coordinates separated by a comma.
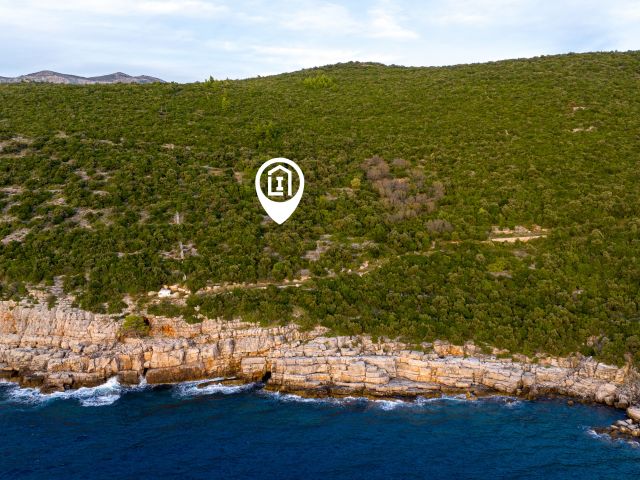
[(109, 392), (105, 394), (98, 396), (606, 437), (443, 398), (291, 397), (601, 436), (386, 404), (196, 388), (382, 404), (389, 405), (505, 400), (419, 402), (143, 383)]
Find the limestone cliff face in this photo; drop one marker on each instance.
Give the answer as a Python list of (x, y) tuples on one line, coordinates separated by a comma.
[(68, 348)]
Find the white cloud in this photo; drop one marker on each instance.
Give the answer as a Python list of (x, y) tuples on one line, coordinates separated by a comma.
[(385, 23), (476, 12), (381, 21), (116, 8), (624, 17), (303, 56), (191, 39), (626, 11), (327, 17)]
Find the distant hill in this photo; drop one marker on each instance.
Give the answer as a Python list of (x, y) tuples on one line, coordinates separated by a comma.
[(48, 76)]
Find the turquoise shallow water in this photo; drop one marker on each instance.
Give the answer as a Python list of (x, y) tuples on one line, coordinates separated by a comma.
[(233, 432)]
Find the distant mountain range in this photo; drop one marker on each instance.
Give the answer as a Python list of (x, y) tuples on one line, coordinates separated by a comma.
[(54, 77)]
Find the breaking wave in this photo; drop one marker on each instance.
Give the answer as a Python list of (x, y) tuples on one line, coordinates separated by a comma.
[(600, 436), (101, 395), (209, 387), (388, 404), (605, 437), (441, 399), (291, 397), (109, 393)]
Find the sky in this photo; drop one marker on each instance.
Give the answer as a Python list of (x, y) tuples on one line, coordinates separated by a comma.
[(189, 40)]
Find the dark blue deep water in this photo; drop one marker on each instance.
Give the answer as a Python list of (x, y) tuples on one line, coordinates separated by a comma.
[(231, 432)]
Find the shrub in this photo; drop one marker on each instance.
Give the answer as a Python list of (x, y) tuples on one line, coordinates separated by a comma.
[(135, 325), (52, 301), (318, 81)]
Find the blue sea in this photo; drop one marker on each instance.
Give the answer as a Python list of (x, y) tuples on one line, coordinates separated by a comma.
[(183, 431)]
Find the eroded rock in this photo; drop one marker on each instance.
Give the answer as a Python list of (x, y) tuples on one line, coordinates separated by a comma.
[(67, 348)]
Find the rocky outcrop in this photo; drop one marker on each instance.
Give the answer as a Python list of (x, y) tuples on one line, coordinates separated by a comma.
[(628, 428), (634, 414), (68, 348)]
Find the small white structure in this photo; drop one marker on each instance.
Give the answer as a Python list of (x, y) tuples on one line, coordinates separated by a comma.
[(278, 191), (164, 293)]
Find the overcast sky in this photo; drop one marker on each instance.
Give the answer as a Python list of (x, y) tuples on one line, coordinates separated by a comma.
[(187, 40)]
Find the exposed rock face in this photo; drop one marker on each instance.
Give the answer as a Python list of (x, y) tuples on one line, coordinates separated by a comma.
[(68, 348), (634, 413), (628, 428)]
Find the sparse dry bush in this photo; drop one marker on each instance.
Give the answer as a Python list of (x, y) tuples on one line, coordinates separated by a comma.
[(404, 196), (375, 168), (400, 163), (439, 226)]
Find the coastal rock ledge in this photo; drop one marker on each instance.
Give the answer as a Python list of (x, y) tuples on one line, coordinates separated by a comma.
[(63, 347)]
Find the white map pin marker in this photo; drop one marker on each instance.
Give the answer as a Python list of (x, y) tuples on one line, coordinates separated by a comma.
[(279, 185)]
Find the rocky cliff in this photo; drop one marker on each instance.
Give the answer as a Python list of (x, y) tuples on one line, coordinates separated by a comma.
[(62, 348)]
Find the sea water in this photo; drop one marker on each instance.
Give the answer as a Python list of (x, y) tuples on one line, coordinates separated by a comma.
[(184, 431)]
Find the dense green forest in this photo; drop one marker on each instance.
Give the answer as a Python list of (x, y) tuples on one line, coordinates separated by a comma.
[(116, 190)]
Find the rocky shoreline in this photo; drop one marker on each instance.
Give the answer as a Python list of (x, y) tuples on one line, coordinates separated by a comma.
[(63, 348), (627, 429)]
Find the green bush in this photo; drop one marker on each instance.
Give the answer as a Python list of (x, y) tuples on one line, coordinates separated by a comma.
[(135, 325), (318, 81)]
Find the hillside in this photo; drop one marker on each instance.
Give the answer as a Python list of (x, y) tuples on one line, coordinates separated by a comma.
[(495, 202)]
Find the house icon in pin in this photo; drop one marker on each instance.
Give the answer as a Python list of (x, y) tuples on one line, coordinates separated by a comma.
[(277, 176)]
